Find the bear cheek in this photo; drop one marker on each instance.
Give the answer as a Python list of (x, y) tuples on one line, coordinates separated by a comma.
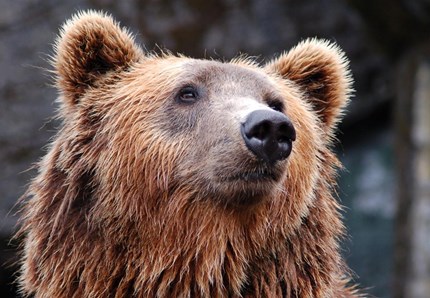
[(305, 160)]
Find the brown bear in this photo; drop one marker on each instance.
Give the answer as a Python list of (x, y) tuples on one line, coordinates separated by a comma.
[(180, 177)]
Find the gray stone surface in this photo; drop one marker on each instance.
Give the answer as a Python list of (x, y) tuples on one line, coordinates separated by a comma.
[(418, 283)]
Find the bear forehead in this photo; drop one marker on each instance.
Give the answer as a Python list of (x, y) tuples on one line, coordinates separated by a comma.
[(240, 76), (221, 75)]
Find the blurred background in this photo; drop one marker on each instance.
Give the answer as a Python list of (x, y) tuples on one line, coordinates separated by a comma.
[(384, 140)]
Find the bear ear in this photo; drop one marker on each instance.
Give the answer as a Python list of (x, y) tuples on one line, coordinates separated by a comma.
[(321, 70), (90, 45)]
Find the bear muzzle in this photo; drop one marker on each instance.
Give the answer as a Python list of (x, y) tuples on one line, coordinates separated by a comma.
[(269, 135)]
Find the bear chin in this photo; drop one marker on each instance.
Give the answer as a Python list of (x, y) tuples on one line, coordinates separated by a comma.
[(247, 200)]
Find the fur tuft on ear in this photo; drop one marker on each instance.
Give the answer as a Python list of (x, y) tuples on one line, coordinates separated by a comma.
[(321, 70), (90, 45)]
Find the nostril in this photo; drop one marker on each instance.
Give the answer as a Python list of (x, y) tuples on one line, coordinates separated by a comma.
[(260, 131), (282, 139), (286, 132)]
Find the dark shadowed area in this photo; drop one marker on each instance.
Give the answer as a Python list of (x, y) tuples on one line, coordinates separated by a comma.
[(384, 139)]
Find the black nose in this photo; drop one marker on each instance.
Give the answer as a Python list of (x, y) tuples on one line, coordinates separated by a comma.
[(269, 135)]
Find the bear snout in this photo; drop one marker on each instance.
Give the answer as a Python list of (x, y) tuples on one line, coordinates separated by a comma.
[(269, 135)]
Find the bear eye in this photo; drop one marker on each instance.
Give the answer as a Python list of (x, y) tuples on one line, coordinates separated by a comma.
[(276, 105), (187, 94)]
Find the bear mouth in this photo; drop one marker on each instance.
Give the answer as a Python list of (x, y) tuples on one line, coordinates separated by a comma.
[(246, 187), (260, 175)]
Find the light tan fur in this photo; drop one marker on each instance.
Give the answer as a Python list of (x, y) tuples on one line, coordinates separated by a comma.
[(134, 199)]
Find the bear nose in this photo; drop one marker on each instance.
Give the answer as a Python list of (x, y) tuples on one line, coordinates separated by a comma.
[(269, 135)]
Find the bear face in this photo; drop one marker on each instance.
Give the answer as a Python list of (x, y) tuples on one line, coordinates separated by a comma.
[(187, 176), (210, 152)]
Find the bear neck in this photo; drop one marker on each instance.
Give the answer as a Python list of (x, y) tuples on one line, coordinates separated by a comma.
[(223, 257)]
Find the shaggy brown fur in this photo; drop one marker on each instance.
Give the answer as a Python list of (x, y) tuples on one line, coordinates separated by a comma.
[(142, 195)]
